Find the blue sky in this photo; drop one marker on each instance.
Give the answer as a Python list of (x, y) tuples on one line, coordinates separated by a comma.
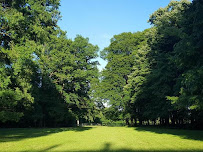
[(99, 20)]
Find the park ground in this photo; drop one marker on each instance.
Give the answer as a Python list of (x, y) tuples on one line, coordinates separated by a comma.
[(101, 138)]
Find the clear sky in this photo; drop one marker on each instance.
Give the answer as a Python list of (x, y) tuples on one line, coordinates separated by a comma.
[(99, 20)]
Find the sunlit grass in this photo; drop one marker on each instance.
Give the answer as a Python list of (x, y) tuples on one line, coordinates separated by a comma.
[(91, 139)]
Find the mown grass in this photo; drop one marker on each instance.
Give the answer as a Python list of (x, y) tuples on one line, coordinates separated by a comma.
[(104, 139)]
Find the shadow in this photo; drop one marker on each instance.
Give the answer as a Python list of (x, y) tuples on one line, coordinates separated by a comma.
[(107, 148), (123, 150), (128, 150), (7, 135), (185, 134), (15, 134), (43, 150)]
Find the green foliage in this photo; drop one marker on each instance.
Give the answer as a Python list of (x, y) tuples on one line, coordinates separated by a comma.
[(45, 77), (156, 75), (120, 56)]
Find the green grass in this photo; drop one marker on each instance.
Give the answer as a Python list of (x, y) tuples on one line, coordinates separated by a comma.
[(104, 139)]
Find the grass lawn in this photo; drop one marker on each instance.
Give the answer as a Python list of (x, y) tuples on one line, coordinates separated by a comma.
[(115, 139)]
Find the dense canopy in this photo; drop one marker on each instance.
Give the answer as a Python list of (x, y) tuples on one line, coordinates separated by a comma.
[(153, 77)]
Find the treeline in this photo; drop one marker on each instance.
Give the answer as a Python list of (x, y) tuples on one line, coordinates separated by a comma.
[(156, 76), (45, 77), (152, 77)]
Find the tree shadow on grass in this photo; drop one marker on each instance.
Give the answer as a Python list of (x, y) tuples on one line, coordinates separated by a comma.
[(107, 148), (16, 134), (185, 134), (43, 150)]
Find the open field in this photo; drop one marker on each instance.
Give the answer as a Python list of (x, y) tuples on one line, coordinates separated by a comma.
[(116, 139)]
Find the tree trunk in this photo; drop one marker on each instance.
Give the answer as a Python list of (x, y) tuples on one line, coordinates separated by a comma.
[(127, 121), (78, 122), (167, 121), (135, 122), (131, 121)]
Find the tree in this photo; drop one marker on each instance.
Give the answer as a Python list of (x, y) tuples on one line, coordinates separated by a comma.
[(188, 59), (120, 57), (45, 77), (164, 73), (134, 89)]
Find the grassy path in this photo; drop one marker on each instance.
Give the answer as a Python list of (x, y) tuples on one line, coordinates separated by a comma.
[(116, 139)]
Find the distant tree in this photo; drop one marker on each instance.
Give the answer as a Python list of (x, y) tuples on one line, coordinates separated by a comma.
[(120, 57), (134, 89)]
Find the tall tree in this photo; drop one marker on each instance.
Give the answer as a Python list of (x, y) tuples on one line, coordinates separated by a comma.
[(164, 73), (120, 59), (44, 76), (188, 58)]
